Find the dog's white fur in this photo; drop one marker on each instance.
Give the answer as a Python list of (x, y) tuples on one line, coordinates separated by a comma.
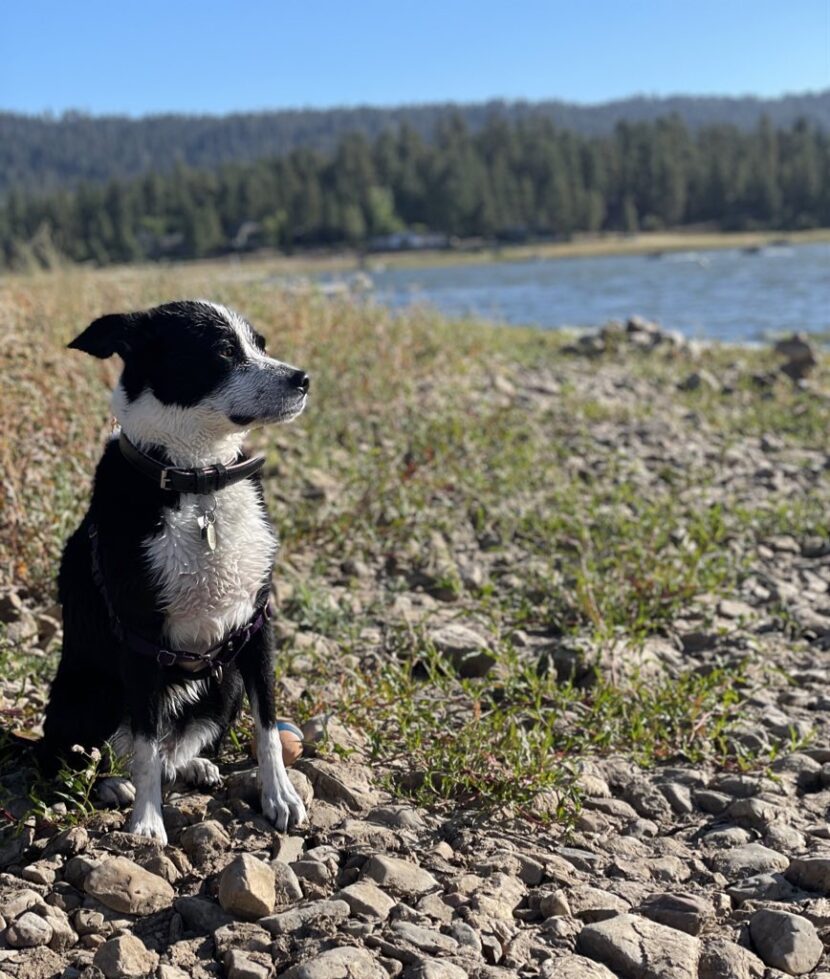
[(206, 594)]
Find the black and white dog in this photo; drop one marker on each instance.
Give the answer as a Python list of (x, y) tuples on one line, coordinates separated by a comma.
[(165, 584)]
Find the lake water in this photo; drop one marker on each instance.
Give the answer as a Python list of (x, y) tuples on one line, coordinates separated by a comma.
[(724, 294)]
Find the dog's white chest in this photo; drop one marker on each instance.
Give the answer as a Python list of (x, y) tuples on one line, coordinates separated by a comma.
[(206, 592)]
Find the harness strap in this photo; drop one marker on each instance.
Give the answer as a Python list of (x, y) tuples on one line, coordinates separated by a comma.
[(220, 655)]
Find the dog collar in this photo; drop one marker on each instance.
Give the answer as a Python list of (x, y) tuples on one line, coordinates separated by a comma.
[(209, 479)]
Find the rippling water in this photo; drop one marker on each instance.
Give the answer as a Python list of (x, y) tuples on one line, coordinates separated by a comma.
[(724, 294)]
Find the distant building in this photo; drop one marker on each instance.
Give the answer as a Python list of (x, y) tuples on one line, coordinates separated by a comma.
[(407, 241)]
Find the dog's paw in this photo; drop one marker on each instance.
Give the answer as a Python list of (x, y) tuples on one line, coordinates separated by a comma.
[(200, 773), (116, 792), (149, 824), (283, 807)]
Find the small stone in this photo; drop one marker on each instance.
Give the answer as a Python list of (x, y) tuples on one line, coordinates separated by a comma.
[(721, 959), (123, 886), (365, 898), (785, 941), (124, 957), (748, 860), (574, 967), (685, 912), (709, 801), (811, 873), (247, 888), (68, 843), (765, 887), (426, 939), (287, 886), (399, 876), (204, 841), (297, 920), (678, 796), (634, 946), (464, 648), (200, 914), (346, 962), (246, 965), (29, 931)]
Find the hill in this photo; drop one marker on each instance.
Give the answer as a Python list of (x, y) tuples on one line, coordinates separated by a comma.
[(43, 153)]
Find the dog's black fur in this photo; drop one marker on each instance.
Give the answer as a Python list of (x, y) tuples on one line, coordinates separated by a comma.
[(179, 356)]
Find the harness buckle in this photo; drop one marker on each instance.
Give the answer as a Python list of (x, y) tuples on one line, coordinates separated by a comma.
[(164, 479), (166, 657)]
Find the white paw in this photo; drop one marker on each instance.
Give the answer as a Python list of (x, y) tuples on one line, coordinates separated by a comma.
[(115, 792), (149, 824), (282, 806), (200, 773)]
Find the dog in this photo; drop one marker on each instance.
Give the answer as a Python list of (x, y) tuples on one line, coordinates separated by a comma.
[(165, 584)]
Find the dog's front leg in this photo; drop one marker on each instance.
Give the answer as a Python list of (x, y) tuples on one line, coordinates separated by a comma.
[(147, 765), (280, 802)]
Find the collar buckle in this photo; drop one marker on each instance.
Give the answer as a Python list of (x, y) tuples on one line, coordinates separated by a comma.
[(164, 479)]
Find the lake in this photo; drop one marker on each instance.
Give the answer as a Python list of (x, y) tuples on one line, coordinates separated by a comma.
[(725, 294)]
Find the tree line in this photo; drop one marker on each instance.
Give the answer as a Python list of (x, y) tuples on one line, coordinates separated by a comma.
[(510, 180), (44, 153)]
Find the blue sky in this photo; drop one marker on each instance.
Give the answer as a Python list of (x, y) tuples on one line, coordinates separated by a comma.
[(153, 56)]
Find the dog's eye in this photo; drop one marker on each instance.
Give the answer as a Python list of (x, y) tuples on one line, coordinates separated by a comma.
[(227, 350)]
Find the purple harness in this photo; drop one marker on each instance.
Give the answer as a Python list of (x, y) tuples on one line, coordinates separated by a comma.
[(220, 655)]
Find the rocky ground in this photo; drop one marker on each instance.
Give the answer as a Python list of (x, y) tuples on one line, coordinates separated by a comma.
[(666, 633)]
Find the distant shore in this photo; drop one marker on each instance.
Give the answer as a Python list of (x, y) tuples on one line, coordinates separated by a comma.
[(580, 246)]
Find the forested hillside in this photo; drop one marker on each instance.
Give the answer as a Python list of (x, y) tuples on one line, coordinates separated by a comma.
[(41, 153), (510, 179)]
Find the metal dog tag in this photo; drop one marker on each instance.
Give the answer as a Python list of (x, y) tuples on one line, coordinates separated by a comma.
[(206, 523)]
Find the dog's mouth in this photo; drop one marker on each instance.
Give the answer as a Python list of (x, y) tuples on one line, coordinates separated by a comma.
[(274, 417)]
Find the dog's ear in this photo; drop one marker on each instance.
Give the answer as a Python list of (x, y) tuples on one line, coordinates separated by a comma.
[(108, 335)]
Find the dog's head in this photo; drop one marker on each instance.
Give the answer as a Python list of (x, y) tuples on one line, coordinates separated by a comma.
[(195, 367)]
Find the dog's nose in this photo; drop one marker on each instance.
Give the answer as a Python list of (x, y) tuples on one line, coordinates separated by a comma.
[(300, 380)]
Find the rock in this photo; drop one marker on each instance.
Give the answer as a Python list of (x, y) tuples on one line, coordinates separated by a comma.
[(243, 935), (574, 967), (68, 843), (399, 876), (247, 888), (811, 873), (123, 886), (248, 965), (425, 939), (799, 354), (202, 842), (287, 886), (347, 962), (365, 898), (29, 931), (765, 887), (721, 959), (699, 379), (785, 941), (685, 912), (465, 649), (297, 920), (200, 914), (124, 957), (63, 934), (436, 969), (636, 948), (748, 860), (340, 782), (592, 903)]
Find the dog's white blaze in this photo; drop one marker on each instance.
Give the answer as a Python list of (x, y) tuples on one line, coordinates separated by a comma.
[(208, 593)]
